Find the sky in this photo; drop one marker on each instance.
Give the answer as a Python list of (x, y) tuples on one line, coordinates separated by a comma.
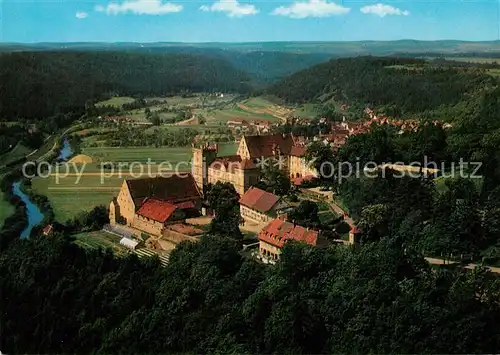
[(29, 21)]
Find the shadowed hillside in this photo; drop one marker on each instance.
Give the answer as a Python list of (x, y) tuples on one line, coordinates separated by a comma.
[(38, 84)]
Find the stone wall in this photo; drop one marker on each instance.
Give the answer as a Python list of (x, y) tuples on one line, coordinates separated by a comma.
[(147, 225)]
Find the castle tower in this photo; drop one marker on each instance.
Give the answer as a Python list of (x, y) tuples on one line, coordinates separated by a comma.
[(202, 158)]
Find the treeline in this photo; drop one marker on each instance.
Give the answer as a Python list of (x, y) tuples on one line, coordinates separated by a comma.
[(370, 81), (211, 299), (454, 214), (41, 84)]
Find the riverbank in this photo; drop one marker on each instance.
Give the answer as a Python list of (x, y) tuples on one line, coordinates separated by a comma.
[(16, 187), (35, 216)]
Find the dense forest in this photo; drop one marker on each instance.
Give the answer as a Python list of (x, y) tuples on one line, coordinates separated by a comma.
[(379, 296), (58, 298), (35, 85), (405, 86)]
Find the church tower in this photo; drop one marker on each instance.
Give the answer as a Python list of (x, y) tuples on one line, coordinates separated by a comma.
[(202, 158)]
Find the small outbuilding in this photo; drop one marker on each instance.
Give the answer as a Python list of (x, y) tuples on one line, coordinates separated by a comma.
[(129, 243)]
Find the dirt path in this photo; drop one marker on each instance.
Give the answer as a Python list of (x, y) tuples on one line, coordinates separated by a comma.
[(189, 121)]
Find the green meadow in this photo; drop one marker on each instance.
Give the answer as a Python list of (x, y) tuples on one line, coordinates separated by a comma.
[(75, 188)]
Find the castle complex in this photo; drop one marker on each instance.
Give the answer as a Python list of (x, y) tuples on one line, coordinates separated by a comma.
[(244, 169)]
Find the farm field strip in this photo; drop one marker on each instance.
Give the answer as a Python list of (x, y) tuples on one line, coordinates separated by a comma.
[(105, 240)]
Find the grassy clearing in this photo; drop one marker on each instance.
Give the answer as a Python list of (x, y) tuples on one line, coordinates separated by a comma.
[(6, 209), (19, 151), (493, 72), (68, 199), (70, 193), (227, 149), (138, 154), (232, 113), (474, 60), (116, 101), (99, 239), (306, 111)]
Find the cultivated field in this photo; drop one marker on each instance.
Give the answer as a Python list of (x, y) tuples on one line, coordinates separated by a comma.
[(18, 152), (306, 111), (79, 187), (475, 59), (99, 239), (116, 101)]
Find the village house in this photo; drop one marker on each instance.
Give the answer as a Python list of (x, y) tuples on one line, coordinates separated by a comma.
[(245, 168), (47, 230), (278, 232), (259, 206), (150, 204)]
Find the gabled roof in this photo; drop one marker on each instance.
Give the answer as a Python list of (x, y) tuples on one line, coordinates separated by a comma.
[(259, 200), (47, 229), (263, 146), (171, 189), (156, 210), (278, 232)]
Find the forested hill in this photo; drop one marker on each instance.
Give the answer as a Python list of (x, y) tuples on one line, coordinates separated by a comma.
[(405, 85), (40, 84)]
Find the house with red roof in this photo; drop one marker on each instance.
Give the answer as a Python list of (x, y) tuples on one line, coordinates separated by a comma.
[(279, 232), (148, 204), (154, 215), (259, 206), (47, 229)]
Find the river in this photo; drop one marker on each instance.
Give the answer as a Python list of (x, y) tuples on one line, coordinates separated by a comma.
[(65, 151), (35, 216)]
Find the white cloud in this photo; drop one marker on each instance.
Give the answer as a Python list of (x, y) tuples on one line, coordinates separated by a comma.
[(140, 7), (232, 7), (81, 15), (311, 8), (383, 10)]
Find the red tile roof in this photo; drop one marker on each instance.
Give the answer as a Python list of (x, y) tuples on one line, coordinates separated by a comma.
[(47, 229), (278, 232), (299, 181), (156, 210), (355, 230), (297, 151), (259, 200), (263, 146)]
